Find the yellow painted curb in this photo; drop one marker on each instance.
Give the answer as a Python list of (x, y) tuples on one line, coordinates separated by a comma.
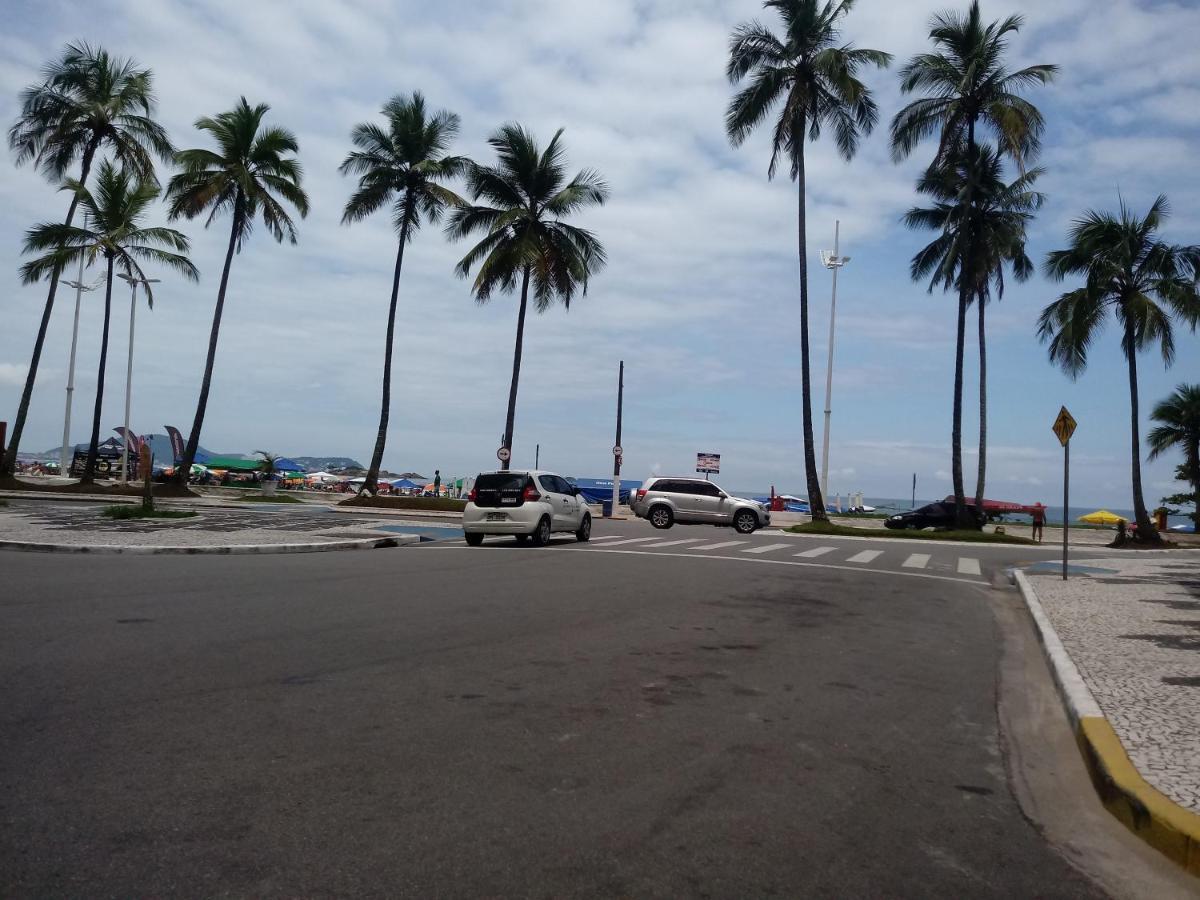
[(1156, 819)]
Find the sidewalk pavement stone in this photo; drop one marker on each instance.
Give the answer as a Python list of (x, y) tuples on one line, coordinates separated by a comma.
[(1133, 631)]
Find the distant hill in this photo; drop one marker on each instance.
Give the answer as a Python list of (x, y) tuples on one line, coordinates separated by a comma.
[(325, 463), (160, 445)]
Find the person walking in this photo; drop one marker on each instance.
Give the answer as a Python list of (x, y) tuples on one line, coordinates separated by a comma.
[(1039, 522), (437, 482)]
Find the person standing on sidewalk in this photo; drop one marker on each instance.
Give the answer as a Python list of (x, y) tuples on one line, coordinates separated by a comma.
[(1039, 521), (437, 482)]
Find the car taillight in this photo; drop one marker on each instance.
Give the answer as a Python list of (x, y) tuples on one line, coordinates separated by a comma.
[(641, 494), (471, 496), (531, 494)]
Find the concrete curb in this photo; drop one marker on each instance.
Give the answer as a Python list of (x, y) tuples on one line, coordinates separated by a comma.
[(1159, 821), (398, 540)]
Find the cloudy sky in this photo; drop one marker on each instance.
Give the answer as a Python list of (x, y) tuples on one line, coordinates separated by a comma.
[(700, 294)]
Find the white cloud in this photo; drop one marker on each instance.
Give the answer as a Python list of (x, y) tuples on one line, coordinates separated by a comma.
[(13, 375)]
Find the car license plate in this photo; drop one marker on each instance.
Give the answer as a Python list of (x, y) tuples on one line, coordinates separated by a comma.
[(496, 517)]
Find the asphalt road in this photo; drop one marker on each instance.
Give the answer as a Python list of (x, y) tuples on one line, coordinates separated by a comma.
[(503, 721)]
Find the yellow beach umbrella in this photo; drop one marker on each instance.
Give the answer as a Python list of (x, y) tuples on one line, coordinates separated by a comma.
[(1101, 517)]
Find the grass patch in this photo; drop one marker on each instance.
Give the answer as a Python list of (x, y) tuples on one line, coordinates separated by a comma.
[(263, 498), (438, 504), (969, 537), (130, 511)]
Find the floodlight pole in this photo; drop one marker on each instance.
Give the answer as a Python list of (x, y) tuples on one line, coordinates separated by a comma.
[(80, 287), (133, 284), (617, 451), (834, 262)]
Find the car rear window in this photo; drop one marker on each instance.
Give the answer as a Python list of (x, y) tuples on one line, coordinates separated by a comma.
[(500, 489)]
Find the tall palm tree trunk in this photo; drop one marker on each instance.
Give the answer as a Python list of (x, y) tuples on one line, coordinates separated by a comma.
[(961, 519), (1196, 484), (816, 502), (982, 474), (184, 469), (89, 470), (8, 460), (371, 484), (516, 372), (1145, 527)]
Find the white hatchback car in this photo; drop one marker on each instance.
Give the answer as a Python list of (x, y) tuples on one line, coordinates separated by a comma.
[(529, 505)]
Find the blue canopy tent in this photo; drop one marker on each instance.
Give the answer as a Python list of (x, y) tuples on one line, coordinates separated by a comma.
[(597, 490), (405, 485)]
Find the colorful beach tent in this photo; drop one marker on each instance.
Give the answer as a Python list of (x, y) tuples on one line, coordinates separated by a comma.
[(1101, 517), (404, 484)]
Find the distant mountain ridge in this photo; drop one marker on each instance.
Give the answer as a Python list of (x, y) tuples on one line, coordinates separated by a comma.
[(324, 463), (160, 446)]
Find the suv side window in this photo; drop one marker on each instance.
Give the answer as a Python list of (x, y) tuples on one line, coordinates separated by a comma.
[(665, 486), (551, 483), (706, 489)]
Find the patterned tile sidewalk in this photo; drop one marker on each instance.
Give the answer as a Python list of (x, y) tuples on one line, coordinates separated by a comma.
[(80, 524), (1133, 630)]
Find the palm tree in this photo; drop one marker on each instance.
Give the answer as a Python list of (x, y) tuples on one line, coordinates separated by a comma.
[(994, 225), (249, 169), (816, 81), (401, 166), (967, 86), (1178, 419), (527, 243), (1143, 282), (115, 210), (87, 100)]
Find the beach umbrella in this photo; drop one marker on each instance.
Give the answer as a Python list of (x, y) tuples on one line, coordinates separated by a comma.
[(1102, 517)]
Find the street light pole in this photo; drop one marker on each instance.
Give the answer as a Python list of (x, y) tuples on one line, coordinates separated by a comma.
[(80, 287), (617, 450), (834, 262), (133, 284)]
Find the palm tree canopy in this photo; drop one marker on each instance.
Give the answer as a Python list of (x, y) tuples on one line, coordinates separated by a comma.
[(965, 81), (115, 208), (997, 217), (1143, 281), (808, 72), (245, 175), (1178, 418), (527, 195), (89, 98), (403, 164)]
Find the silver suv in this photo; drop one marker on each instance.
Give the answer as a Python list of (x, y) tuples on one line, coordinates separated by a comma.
[(694, 501)]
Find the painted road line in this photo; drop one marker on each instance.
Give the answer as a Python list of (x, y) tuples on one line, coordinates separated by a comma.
[(817, 551), (768, 548), (719, 546), (675, 543), (865, 557), (630, 541), (605, 537), (916, 561), (968, 565)]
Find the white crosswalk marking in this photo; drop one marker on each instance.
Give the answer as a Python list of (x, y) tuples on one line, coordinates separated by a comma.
[(917, 561), (968, 566), (631, 541), (605, 537), (720, 546), (817, 551), (675, 543), (767, 549), (865, 557)]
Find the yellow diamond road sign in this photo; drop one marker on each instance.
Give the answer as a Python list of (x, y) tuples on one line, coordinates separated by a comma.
[(1064, 426)]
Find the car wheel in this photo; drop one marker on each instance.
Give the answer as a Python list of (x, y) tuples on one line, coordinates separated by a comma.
[(584, 534), (541, 534), (661, 517), (474, 540), (745, 522)]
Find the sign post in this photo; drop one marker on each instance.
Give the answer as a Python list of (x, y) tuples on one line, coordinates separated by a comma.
[(1064, 427)]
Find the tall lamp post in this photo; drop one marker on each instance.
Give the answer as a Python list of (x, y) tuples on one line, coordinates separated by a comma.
[(80, 287), (133, 283), (834, 262)]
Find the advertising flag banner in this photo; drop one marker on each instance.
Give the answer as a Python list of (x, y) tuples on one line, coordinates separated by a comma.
[(176, 442), (132, 441)]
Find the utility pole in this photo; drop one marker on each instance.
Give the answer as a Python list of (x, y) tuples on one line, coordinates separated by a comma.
[(80, 287), (618, 451), (834, 262), (537, 457), (133, 284)]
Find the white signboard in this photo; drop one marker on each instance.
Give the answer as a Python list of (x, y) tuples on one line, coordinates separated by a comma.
[(708, 462)]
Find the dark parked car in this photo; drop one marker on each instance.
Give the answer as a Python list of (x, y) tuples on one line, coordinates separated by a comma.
[(935, 515)]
